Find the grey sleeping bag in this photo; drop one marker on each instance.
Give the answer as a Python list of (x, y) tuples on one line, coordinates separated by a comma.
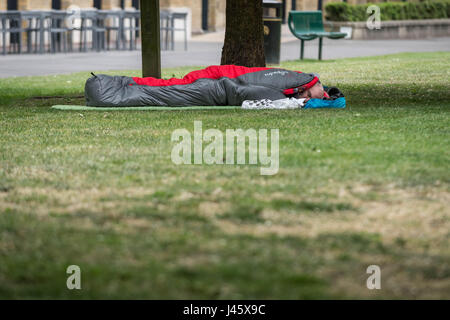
[(213, 86)]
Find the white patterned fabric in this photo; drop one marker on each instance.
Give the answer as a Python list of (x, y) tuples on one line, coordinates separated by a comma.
[(288, 103)]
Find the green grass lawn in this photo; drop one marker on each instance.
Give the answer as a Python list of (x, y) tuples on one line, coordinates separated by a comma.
[(361, 186)]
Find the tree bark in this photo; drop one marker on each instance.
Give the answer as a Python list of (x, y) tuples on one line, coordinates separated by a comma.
[(244, 34), (151, 51)]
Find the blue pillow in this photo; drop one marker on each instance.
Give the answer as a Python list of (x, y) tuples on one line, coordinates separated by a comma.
[(339, 103)]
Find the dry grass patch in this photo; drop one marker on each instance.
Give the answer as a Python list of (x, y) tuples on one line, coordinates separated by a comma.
[(401, 214)]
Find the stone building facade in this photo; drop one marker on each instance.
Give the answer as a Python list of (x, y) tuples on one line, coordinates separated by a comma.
[(203, 15)]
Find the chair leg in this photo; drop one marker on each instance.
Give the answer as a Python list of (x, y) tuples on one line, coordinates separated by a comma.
[(36, 41), (80, 43), (82, 35), (302, 48), (131, 39), (41, 36), (320, 48), (169, 34), (4, 42), (53, 43), (172, 34), (20, 43), (82, 32), (64, 36), (85, 46), (29, 47), (123, 40), (185, 35), (94, 40), (70, 40)]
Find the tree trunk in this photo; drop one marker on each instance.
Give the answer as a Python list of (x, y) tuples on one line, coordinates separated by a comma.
[(150, 35), (244, 34)]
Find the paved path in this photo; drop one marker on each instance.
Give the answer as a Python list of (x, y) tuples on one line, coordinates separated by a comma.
[(204, 50)]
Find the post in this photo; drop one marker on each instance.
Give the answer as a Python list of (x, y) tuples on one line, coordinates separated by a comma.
[(320, 48), (151, 50), (302, 48)]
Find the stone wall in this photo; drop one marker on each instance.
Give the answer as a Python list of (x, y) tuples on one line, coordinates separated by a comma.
[(398, 29), (34, 4)]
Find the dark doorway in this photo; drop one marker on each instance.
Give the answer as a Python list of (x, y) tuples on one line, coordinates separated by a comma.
[(122, 4), (12, 5), (98, 4), (319, 5), (205, 14), (294, 5), (135, 4), (56, 4)]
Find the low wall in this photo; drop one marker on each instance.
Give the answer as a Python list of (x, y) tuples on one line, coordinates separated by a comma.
[(396, 29)]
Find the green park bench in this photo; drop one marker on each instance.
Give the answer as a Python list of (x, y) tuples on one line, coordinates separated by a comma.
[(308, 25)]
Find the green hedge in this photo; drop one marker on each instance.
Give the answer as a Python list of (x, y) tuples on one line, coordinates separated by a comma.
[(341, 11)]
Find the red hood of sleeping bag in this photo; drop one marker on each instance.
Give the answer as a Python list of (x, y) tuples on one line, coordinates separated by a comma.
[(292, 91)]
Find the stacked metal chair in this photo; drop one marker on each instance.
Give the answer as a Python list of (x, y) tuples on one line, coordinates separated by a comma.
[(96, 30), (131, 27), (11, 24), (59, 32), (112, 21)]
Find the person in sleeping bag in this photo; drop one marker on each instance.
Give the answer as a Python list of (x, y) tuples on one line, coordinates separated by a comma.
[(212, 86)]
